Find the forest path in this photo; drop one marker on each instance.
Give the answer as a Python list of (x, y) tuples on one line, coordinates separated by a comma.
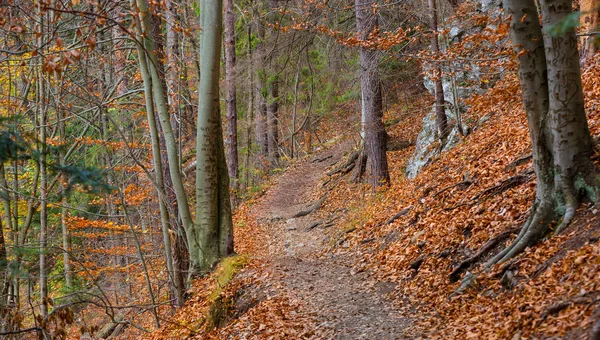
[(346, 304)]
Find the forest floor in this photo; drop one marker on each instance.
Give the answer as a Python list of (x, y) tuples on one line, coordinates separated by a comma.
[(343, 301)]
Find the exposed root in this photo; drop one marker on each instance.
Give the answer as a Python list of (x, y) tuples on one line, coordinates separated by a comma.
[(468, 282), (398, 215), (314, 207), (489, 245), (347, 166), (532, 232)]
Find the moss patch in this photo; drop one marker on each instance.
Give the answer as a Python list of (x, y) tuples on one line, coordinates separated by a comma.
[(221, 305)]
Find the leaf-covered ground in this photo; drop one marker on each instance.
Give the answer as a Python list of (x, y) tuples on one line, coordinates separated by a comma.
[(362, 277)]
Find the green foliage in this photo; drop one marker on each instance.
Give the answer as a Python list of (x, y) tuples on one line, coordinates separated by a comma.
[(90, 179), (57, 284)]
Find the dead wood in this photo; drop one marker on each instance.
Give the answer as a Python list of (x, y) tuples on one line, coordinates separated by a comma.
[(417, 263), (347, 166), (323, 224), (595, 331), (519, 161), (489, 245), (588, 298), (465, 183), (509, 183), (398, 215), (322, 159), (109, 329), (314, 207), (506, 184)]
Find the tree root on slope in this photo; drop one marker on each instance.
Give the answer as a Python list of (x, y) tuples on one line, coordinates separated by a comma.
[(314, 207), (487, 247)]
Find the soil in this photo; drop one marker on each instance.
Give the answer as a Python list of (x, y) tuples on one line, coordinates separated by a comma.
[(345, 303)]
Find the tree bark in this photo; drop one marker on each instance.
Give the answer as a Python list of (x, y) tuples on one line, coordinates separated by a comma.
[(552, 94), (441, 120), (231, 140), (374, 130), (273, 92), (213, 209), (170, 142), (272, 121), (589, 21), (260, 94)]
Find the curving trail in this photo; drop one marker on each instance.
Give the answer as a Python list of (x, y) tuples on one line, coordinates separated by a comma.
[(346, 304)]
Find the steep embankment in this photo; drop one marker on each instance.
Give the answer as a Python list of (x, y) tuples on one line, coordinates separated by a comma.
[(482, 191)]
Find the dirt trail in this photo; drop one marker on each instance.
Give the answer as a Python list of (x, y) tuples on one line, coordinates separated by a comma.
[(346, 304)]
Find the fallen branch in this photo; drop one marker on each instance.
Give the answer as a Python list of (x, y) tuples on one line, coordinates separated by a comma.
[(519, 161), (319, 160), (582, 299), (314, 207), (489, 245), (398, 215), (323, 224), (467, 182), (506, 184), (347, 166)]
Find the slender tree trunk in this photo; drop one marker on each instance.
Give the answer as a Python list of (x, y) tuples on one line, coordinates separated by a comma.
[(589, 22), (260, 94), (213, 209), (231, 140), (6, 199), (250, 116), (64, 202), (170, 142), (441, 120), (272, 121), (273, 91), (294, 111), (42, 123), (375, 139)]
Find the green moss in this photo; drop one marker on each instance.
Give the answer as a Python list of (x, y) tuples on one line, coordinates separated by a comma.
[(221, 307)]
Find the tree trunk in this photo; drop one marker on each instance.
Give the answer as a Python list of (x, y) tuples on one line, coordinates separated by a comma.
[(589, 21), (273, 92), (374, 130), (248, 180), (441, 120), (159, 177), (552, 94), (42, 121), (213, 209), (64, 202), (231, 140), (260, 94), (170, 142), (272, 121)]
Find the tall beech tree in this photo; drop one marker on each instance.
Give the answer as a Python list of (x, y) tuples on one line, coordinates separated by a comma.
[(372, 107), (551, 87), (213, 208)]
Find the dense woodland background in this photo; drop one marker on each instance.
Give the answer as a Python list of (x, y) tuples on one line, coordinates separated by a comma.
[(452, 147)]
